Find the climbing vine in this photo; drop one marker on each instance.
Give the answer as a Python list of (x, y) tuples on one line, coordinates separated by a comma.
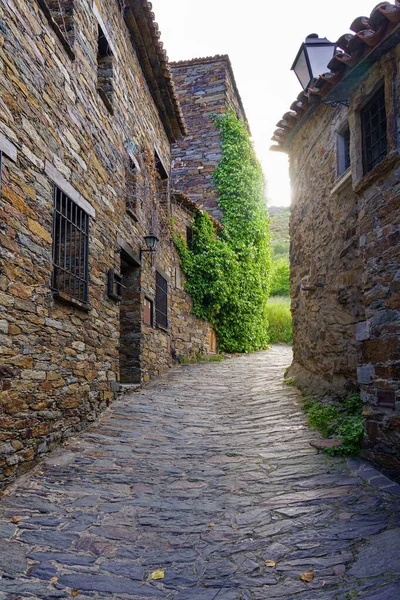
[(227, 272)]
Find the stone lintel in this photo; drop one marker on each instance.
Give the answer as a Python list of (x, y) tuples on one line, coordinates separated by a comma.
[(67, 188)]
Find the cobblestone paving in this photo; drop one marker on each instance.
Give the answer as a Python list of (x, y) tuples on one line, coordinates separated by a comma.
[(206, 473)]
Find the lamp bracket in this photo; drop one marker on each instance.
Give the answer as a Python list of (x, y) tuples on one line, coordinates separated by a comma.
[(335, 103)]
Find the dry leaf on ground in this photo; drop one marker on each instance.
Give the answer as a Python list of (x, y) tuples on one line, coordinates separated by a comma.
[(74, 593), (54, 580), (271, 563), (307, 577), (15, 520), (211, 524), (159, 574)]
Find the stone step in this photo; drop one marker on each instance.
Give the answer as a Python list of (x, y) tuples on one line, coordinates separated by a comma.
[(127, 388)]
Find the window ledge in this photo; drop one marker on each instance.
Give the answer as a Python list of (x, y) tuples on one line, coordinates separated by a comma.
[(368, 179), (157, 326), (66, 299), (342, 182), (56, 29)]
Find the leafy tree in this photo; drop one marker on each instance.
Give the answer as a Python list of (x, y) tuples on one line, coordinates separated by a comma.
[(280, 278)]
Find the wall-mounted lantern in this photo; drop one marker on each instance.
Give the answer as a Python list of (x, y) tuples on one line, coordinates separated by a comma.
[(312, 59), (151, 241)]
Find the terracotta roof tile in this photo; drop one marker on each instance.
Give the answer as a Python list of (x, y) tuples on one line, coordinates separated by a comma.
[(154, 60), (369, 32)]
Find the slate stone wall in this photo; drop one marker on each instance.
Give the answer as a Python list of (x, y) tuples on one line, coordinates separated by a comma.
[(345, 245), (204, 87), (326, 265), (59, 364)]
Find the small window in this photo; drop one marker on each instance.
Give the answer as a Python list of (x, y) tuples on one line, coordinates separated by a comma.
[(374, 131), (162, 181), (132, 198), (60, 15), (189, 236), (148, 312), (105, 70), (161, 301), (343, 150), (70, 248)]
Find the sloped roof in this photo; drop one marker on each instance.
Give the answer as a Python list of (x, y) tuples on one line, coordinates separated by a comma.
[(180, 199), (373, 37), (154, 61)]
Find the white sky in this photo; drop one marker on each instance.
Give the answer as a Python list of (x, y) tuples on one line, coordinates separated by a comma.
[(262, 38)]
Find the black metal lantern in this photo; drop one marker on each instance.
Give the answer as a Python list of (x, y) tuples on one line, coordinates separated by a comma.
[(151, 242), (312, 59)]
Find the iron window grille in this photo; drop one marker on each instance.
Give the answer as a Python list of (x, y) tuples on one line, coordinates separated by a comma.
[(374, 131), (70, 248), (161, 301)]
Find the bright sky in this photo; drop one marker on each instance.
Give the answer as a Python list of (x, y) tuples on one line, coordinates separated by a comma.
[(262, 39)]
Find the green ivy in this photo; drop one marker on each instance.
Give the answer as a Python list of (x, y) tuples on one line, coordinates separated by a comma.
[(228, 272)]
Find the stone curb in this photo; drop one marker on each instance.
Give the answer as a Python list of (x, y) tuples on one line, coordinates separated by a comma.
[(361, 468)]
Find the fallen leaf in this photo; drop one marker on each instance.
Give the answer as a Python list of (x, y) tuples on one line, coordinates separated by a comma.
[(54, 580), (41, 472), (15, 519), (159, 574), (323, 583), (271, 563), (307, 577), (74, 593), (211, 524), (188, 443)]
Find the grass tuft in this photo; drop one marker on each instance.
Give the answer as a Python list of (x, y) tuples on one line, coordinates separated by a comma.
[(279, 320)]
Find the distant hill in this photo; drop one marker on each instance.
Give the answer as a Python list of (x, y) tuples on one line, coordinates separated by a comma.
[(279, 228)]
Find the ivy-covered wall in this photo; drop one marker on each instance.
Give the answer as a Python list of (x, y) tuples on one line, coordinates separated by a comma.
[(228, 272)]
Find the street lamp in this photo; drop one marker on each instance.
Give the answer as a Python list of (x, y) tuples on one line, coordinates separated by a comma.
[(312, 59)]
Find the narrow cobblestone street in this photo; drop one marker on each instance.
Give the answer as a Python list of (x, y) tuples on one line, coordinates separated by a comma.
[(206, 473)]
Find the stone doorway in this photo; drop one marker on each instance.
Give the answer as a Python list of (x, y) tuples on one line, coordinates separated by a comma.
[(130, 321)]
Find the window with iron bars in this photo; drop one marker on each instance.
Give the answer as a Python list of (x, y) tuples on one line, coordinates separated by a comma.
[(70, 248), (374, 131), (161, 301)]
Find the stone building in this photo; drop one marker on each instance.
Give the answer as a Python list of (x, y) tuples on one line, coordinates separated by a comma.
[(204, 86), (88, 112), (345, 227)]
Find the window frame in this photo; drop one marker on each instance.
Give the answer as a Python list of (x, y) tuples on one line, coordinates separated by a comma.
[(161, 301), (62, 224), (368, 162), (343, 150)]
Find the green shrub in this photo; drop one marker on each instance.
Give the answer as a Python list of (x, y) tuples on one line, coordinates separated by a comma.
[(343, 420), (279, 321), (280, 278)]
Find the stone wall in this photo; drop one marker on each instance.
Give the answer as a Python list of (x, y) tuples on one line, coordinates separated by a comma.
[(325, 261), (204, 86), (60, 362), (379, 240), (345, 262)]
